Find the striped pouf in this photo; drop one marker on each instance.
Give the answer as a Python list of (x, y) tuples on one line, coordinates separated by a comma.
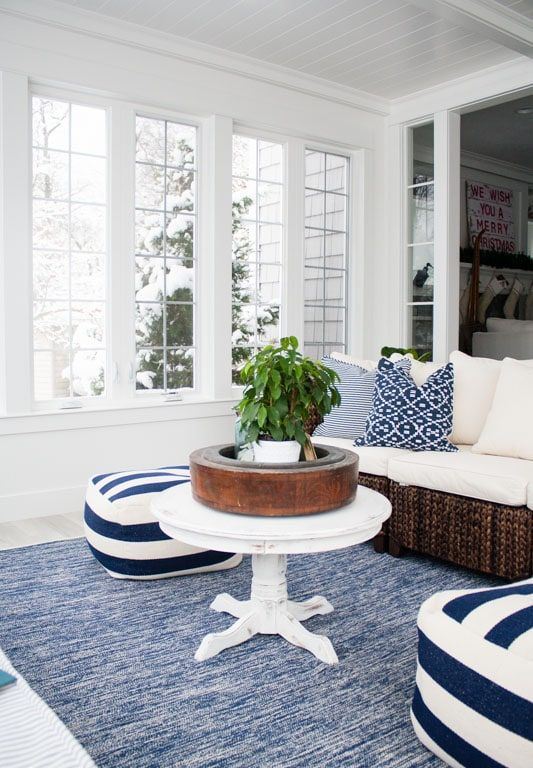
[(473, 703), (125, 537)]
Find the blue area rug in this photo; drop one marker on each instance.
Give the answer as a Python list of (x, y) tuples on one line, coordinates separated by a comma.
[(114, 659)]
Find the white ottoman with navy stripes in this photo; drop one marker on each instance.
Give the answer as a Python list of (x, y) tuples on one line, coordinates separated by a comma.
[(125, 537), (473, 703)]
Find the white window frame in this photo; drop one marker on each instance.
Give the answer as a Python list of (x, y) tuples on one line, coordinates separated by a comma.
[(354, 159), (260, 135), (83, 99), (196, 390), (214, 394)]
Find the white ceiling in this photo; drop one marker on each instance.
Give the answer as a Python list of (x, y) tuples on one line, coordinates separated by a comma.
[(500, 133), (388, 48)]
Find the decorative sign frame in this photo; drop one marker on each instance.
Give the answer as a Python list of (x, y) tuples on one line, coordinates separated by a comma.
[(491, 208)]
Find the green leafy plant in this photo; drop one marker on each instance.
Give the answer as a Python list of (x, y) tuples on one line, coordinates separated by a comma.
[(281, 389), (388, 351)]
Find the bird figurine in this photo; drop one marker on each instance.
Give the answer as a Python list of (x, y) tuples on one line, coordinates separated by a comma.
[(422, 275)]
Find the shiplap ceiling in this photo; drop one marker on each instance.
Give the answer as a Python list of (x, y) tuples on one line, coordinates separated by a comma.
[(388, 48)]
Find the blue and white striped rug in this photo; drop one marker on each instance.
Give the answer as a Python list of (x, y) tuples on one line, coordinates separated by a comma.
[(114, 659)]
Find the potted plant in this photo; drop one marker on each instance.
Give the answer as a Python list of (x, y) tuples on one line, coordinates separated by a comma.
[(281, 389)]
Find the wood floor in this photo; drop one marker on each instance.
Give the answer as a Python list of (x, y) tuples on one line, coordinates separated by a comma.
[(23, 533)]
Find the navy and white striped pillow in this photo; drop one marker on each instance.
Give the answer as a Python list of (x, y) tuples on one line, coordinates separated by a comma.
[(356, 388)]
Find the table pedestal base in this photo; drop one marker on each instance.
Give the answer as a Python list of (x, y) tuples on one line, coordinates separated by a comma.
[(269, 612)]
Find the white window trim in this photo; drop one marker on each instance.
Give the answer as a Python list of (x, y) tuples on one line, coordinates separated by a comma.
[(18, 412)]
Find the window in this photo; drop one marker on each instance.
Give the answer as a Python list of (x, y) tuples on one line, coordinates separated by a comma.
[(420, 240), (257, 217), (165, 254), (326, 249), (69, 248)]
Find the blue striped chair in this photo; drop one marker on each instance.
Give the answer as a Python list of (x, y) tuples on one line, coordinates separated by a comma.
[(126, 539), (473, 702)]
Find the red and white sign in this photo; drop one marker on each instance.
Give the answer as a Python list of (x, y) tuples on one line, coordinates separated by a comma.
[(490, 208)]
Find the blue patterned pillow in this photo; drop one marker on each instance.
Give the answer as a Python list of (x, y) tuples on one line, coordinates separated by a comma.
[(406, 416), (356, 389)]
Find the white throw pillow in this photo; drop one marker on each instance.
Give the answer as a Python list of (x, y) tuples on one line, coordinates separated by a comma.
[(499, 324), (420, 372), (508, 430), (474, 384), (368, 365)]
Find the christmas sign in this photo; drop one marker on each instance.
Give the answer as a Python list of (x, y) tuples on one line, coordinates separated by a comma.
[(490, 208)]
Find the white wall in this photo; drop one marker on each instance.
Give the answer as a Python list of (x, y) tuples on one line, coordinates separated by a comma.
[(46, 459)]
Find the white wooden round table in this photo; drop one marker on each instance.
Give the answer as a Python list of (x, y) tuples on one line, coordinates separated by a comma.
[(269, 540)]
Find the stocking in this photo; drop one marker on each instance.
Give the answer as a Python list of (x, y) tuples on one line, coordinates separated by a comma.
[(495, 286), (512, 300)]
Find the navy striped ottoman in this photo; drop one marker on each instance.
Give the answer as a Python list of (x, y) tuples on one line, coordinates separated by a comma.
[(125, 537), (473, 703)]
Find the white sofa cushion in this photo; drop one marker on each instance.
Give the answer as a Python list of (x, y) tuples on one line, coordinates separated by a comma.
[(498, 324), (508, 430), (372, 460), (498, 479), (474, 384)]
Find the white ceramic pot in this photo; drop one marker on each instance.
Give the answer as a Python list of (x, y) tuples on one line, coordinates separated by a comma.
[(276, 452)]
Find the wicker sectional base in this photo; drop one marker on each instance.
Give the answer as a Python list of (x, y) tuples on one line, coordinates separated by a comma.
[(488, 537)]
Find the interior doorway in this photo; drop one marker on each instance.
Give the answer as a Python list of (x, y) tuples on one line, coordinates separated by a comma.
[(496, 230)]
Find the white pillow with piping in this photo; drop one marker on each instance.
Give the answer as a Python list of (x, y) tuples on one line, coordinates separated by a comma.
[(508, 430), (475, 380)]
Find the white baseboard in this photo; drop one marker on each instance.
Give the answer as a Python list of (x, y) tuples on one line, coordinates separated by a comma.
[(52, 501)]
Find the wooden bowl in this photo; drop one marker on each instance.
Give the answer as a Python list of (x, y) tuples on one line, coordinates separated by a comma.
[(251, 488)]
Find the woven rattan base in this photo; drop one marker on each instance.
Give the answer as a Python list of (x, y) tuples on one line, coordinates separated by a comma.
[(488, 537)]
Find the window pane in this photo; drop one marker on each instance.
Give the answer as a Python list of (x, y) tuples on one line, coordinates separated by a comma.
[(88, 179), (421, 328), (181, 145), (88, 132), (180, 190), (50, 225), (326, 204), (420, 273), (51, 121), (150, 140), (180, 368), (149, 232), (50, 275), (165, 253), (87, 228), (69, 241), (257, 246), (179, 330), (420, 257), (315, 167), (50, 174), (336, 173), (87, 321), (421, 214), (269, 161), (150, 369), (149, 324)]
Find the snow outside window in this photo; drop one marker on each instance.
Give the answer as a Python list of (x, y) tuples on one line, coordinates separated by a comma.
[(165, 254), (69, 248), (326, 247)]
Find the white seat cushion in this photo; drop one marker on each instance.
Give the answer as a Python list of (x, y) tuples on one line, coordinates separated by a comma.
[(372, 460), (498, 479)]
